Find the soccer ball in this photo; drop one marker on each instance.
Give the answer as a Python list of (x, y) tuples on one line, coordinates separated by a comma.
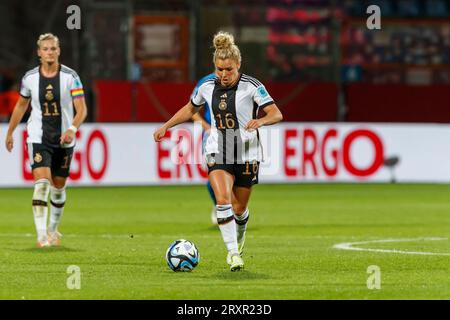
[(182, 255)]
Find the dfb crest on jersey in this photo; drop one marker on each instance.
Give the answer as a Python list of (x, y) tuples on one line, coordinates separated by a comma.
[(210, 160), (49, 96), (222, 104), (37, 158)]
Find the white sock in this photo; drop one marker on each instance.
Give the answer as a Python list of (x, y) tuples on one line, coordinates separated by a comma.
[(40, 208), (227, 225), (241, 225), (58, 199)]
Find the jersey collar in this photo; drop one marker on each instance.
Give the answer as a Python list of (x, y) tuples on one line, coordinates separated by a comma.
[(57, 73)]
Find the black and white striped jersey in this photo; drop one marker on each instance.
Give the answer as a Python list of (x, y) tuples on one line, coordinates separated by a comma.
[(51, 104), (231, 109)]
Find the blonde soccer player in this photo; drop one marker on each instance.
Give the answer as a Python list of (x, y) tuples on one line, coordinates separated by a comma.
[(53, 90), (232, 149)]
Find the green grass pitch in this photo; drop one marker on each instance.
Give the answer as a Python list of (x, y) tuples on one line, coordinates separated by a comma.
[(118, 237)]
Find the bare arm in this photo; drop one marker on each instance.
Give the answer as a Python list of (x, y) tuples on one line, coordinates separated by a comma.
[(17, 115), (183, 115), (80, 106), (273, 115)]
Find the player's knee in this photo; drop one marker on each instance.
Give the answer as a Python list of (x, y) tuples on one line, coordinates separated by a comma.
[(59, 183), (222, 200), (58, 195), (239, 209), (41, 190)]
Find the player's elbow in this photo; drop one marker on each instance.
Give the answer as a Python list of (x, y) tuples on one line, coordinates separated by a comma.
[(279, 116), (275, 114)]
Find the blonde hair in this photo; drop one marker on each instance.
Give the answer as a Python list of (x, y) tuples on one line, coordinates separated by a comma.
[(225, 47), (47, 36)]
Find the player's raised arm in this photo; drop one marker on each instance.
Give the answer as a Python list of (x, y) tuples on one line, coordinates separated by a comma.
[(17, 115), (183, 115)]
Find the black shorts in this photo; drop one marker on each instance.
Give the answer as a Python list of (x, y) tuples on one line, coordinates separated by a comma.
[(57, 159), (245, 175)]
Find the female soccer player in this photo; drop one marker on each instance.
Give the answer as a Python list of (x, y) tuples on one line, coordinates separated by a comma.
[(232, 149), (53, 90)]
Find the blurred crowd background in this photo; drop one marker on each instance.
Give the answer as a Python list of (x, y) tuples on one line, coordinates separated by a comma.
[(139, 59)]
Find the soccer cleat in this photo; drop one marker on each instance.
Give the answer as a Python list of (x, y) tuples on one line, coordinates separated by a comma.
[(241, 253), (237, 263), (43, 243), (54, 238)]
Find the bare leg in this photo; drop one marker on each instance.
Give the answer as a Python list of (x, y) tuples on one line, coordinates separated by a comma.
[(222, 184), (241, 196)]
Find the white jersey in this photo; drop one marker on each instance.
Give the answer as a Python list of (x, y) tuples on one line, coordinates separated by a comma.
[(231, 108), (51, 104)]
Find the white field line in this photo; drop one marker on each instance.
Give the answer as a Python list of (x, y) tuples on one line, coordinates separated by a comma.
[(350, 246), (149, 234), (106, 236)]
